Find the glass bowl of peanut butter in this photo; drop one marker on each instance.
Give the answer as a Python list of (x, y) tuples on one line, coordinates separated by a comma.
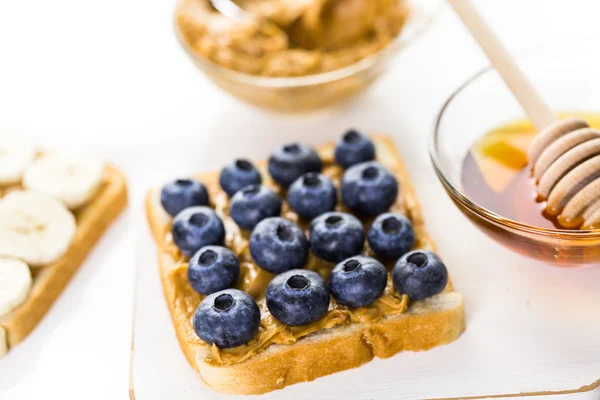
[(480, 152), (299, 55)]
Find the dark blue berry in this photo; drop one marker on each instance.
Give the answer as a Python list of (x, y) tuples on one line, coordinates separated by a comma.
[(420, 274), (391, 235), (237, 175), (298, 297), (369, 189), (335, 236), (213, 268), (312, 195), (291, 161), (252, 204), (354, 148), (228, 318), (278, 245), (183, 193), (196, 227), (358, 281)]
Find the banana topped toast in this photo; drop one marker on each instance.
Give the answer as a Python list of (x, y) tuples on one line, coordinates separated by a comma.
[(311, 263), (53, 209)]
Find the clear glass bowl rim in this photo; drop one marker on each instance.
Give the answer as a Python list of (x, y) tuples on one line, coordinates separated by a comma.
[(464, 200), (416, 25)]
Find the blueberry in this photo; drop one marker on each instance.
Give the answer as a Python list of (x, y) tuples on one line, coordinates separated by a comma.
[(298, 297), (183, 193), (354, 148), (391, 235), (358, 281), (312, 195), (420, 274), (228, 318), (238, 175), (369, 189), (252, 204), (196, 227), (335, 236), (291, 161), (278, 245), (213, 268)]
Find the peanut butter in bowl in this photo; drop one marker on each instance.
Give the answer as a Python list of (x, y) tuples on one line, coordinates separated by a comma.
[(299, 55), (289, 38)]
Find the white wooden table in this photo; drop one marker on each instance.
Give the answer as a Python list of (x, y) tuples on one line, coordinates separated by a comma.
[(108, 76)]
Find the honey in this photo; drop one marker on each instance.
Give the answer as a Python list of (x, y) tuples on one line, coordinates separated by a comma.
[(495, 173)]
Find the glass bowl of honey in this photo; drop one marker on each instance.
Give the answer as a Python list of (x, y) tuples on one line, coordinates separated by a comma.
[(479, 151)]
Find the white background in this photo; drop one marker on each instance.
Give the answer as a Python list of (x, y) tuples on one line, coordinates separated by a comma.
[(109, 77)]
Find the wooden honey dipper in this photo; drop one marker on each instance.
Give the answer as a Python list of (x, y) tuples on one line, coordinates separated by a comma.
[(565, 155)]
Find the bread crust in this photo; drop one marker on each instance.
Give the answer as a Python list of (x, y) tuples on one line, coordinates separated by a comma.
[(340, 348), (49, 281), (425, 324)]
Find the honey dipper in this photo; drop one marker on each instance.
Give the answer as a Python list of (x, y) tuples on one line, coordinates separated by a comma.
[(565, 155)]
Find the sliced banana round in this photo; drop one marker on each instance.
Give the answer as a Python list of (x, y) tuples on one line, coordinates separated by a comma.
[(34, 227), (15, 283), (71, 179), (16, 153)]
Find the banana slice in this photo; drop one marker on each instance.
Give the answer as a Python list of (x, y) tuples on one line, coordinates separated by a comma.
[(15, 282), (34, 227), (15, 154), (71, 179)]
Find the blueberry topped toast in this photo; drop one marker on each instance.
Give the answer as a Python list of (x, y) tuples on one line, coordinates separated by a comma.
[(311, 263)]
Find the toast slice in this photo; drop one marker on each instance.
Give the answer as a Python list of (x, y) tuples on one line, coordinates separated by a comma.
[(49, 281), (321, 350)]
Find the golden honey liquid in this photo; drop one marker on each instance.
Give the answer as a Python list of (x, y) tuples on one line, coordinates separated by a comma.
[(495, 174)]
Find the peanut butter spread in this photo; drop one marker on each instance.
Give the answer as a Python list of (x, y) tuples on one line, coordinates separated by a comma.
[(254, 280), (291, 37)]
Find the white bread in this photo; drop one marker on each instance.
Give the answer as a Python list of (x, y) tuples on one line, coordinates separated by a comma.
[(425, 324), (49, 281)]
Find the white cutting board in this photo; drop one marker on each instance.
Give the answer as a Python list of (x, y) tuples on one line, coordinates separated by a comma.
[(530, 327)]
